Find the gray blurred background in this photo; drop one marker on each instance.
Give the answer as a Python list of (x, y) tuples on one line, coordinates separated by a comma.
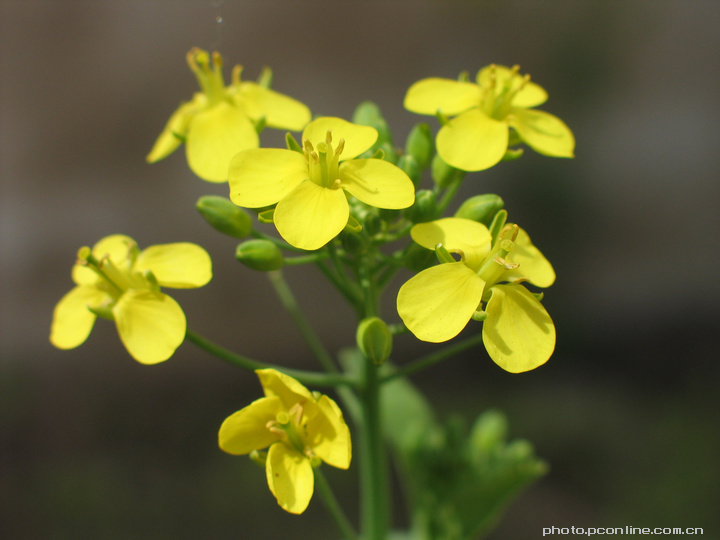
[(94, 445)]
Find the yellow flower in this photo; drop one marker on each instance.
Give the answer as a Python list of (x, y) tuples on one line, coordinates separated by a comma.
[(300, 428), (220, 121), (119, 282), (310, 188), (477, 138), (437, 303)]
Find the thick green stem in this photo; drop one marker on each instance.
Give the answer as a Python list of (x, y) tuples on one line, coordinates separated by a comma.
[(305, 377), (332, 505), (373, 466)]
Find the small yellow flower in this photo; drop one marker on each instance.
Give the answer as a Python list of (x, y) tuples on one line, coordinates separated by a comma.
[(119, 282), (220, 121), (299, 427), (310, 188), (437, 303), (477, 138)]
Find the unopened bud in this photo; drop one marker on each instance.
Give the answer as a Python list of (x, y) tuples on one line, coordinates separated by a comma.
[(481, 208), (442, 173), (489, 431), (425, 207), (419, 145), (224, 216), (374, 339), (261, 255), (411, 167), (368, 114)]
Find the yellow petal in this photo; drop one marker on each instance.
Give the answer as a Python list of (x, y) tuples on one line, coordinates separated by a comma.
[(263, 176), (278, 384), (181, 265), (543, 132), (377, 183), (214, 137), (310, 215), (531, 94), (518, 333), (72, 320), (472, 141), (357, 138), (534, 267), (279, 110), (438, 302), (151, 325), (170, 138), (429, 96), (470, 237), (246, 430), (290, 478), (329, 434)]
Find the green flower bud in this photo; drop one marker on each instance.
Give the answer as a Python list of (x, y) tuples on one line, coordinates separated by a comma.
[(481, 208), (224, 215), (261, 255), (374, 339), (442, 173), (489, 432), (420, 146), (352, 243), (372, 223), (424, 209), (411, 167), (368, 114)]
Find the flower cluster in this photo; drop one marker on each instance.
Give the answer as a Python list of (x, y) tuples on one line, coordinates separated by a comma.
[(342, 198)]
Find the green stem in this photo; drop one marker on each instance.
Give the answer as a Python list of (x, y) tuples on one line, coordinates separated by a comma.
[(434, 358), (288, 300), (373, 467), (305, 377), (449, 194), (332, 505)]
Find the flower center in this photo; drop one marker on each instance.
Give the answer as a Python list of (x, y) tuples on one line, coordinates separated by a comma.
[(499, 90), (115, 279), (288, 424), (208, 73), (496, 263), (323, 160)]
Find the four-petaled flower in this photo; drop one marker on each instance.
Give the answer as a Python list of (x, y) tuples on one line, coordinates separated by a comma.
[(119, 282), (299, 427), (310, 188), (477, 138), (221, 120), (437, 303)]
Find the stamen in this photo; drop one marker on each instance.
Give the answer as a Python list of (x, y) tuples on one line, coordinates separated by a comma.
[(235, 77), (328, 137), (340, 146), (336, 184), (307, 145)]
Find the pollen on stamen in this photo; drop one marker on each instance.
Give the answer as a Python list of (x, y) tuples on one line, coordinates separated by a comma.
[(340, 147), (328, 136)]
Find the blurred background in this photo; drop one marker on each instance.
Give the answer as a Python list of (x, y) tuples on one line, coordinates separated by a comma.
[(95, 445)]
